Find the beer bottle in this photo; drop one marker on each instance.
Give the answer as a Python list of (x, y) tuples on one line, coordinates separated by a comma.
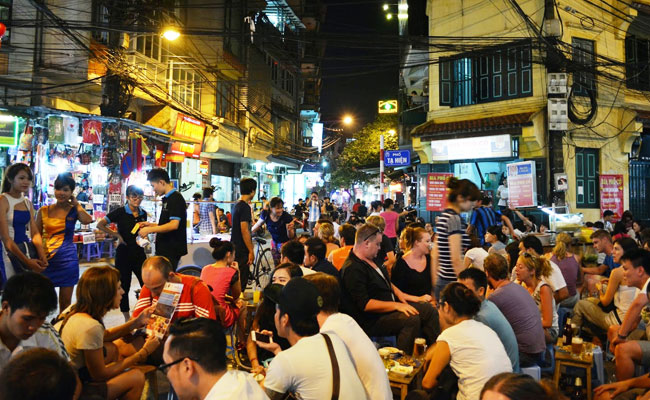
[(567, 332), (578, 393)]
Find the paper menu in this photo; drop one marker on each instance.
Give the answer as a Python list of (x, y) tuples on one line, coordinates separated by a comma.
[(158, 324)]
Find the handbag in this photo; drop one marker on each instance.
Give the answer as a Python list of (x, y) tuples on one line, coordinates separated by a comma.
[(29, 250)]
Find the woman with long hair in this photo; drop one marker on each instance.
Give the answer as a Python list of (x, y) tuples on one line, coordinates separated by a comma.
[(222, 277), (89, 343), (497, 240), (569, 264), (129, 256), (451, 237), (412, 271), (326, 234), (56, 223), (472, 350), (531, 271), (16, 215)]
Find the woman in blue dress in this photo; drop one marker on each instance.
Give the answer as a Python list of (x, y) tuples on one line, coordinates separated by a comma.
[(56, 223), (16, 215)]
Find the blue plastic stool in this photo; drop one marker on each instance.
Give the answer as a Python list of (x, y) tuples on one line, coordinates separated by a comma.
[(534, 371), (108, 248), (92, 250)]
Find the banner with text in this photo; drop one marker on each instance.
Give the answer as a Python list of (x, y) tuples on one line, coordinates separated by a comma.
[(522, 184), (437, 190), (611, 195)]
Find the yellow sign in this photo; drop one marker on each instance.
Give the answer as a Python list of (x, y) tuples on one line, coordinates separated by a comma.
[(387, 107)]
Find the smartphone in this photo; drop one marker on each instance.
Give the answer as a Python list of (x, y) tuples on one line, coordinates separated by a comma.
[(261, 337)]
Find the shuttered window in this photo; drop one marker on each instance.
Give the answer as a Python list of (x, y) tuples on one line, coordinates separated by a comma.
[(498, 74), (587, 187)]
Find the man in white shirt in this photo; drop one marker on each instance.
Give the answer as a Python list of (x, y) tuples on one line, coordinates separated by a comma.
[(532, 245), (636, 267), (309, 367), (27, 300), (364, 355), (195, 364)]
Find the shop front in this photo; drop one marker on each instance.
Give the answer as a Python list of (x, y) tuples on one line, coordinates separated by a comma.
[(480, 151)]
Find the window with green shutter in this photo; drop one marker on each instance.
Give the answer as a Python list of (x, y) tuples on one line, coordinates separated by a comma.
[(587, 188)]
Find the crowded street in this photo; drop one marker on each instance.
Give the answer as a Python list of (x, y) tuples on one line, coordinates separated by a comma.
[(324, 199)]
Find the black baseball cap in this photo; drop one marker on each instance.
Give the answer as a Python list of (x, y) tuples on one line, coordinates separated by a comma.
[(300, 299), (272, 292)]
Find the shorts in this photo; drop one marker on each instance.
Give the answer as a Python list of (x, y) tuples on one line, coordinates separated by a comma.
[(645, 352)]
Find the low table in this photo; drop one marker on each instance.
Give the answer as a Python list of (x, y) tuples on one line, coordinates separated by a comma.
[(403, 382), (584, 360)]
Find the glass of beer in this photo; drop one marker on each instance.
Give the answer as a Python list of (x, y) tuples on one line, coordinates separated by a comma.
[(419, 348), (576, 345)]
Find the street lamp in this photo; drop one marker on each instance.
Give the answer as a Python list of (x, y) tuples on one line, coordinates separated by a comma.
[(171, 34), (392, 132), (347, 120)]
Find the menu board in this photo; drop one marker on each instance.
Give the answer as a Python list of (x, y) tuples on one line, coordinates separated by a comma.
[(611, 195), (437, 190), (521, 184)]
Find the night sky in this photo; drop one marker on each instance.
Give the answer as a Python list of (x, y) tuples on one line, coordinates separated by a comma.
[(357, 94)]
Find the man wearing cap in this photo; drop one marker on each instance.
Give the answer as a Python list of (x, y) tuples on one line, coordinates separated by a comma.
[(375, 303), (312, 368)]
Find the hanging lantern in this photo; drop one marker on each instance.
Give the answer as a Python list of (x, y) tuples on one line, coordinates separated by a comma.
[(3, 29)]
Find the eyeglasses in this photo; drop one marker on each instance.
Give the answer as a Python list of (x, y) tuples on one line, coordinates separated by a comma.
[(373, 233), (164, 368), (136, 197)]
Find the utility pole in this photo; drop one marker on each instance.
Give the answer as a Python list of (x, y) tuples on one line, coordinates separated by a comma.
[(381, 167)]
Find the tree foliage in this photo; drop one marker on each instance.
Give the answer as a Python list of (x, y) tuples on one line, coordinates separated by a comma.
[(363, 152)]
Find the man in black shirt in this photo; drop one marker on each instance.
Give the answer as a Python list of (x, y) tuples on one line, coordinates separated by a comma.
[(171, 230), (363, 210), (242, 220), (315, 251), (375, 303)]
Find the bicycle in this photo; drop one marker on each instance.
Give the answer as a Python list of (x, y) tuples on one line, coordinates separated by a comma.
[(263, 264)]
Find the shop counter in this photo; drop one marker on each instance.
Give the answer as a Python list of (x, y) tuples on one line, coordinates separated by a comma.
[(199, 251)]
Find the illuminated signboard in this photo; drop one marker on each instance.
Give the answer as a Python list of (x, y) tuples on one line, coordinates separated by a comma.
[(186, 149), (189, 129), (473, 148), (8, 131)]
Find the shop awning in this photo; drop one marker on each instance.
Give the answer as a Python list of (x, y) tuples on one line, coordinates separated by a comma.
[(432, 129)]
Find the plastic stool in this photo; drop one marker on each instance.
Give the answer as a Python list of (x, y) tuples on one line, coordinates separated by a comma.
[(598, 365), (92, 250), (109, 248), (535, 371)]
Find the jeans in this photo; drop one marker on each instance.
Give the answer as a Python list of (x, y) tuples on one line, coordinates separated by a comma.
[(407, 328)]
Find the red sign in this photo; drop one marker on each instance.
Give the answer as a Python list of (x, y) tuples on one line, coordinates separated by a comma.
[(188, 128), (186, 149), (611, 195), (437, 191), (172, 157)]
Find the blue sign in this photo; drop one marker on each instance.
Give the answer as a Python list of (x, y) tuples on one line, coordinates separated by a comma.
[(397, 158)]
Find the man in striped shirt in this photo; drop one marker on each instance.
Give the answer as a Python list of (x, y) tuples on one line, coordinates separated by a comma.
[(195, 301), (484, 216)]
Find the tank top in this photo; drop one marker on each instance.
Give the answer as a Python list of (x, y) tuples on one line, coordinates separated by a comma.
[(538, 299)]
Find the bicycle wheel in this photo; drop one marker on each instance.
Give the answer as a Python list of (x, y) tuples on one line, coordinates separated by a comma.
[(263, 267)]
